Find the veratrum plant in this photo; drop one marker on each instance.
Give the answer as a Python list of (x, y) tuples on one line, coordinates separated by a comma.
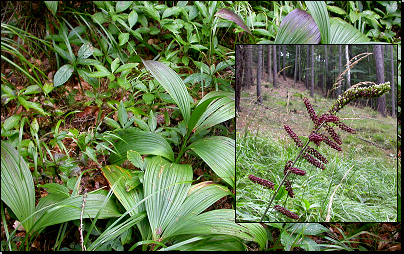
[(18, 193), (328, 120), (214, 108)]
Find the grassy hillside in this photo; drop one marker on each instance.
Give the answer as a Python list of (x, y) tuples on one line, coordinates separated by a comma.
[(358, 184)]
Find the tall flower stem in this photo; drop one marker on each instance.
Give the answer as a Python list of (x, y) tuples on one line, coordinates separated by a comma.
[(288, 172)]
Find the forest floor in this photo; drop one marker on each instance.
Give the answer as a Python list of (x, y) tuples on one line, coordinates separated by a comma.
[(284, 105)]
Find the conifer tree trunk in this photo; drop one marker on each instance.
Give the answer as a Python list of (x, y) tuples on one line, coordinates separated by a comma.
[(249, 78), (259, 70), (312, 71), (307, 67), (269, 62), (295, 73), (348, 74), (300, 68), (339, 70), (239, 74), (381, 101), (275, 69), (284, 60), (393, 100)]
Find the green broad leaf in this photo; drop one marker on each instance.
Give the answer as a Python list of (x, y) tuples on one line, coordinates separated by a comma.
[(198, 47), (217, 112), (287, 240), (336, 9), (149, 8), (116, 230), (298, 27), (86, 50), (132, 18), (102, 72), (63, 53), (210, 114), (86, 76), (230, 15), (148, 98), (91, 154), (63, 75), (175, 10), (52, 6), (122, 114), (202, 8), (152, 122), (136, 159), (32, 89), (173, 84), (115, 64), (306, 204), (55, 209), (75, 32), (47, 88), (307, 228), (218, 153), (34, 126), (122, 5), (127, 66), (221, 222), (185, 61), (167, 185), (318, 10), (111, 122), (56, 189), (99, 17), (119, 176), (343, 33), (263, 32), (123, 38), (17, 185), (141, 141), (141, 124), (11, 122), (34, 105)]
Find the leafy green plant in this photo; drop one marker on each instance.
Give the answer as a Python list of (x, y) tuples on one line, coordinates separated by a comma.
[(177, 222), (214, 108), (86, 50), (59, 206)]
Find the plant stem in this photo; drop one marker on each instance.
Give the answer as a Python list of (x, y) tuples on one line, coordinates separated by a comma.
[(288, 173)]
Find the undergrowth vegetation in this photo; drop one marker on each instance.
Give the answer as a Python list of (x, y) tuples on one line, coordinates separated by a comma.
[(118, 130)]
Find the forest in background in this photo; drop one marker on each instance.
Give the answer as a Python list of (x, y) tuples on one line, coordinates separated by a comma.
[(319, 68)]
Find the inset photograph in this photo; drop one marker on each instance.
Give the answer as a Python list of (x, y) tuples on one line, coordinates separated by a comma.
[(316, 133)]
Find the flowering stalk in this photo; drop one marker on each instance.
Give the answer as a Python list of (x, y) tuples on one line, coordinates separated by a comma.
[(316, 137)]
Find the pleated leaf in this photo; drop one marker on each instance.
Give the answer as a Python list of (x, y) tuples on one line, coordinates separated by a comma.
[(343, 33), (219, 153), (219, 111), (162, 183), (17, 185), (70, 209), (318, 10), (173, 84), (298, 27), (119, 176), (221, 222), (205, 115), (199, 197), (142, 142), (230, 15)]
